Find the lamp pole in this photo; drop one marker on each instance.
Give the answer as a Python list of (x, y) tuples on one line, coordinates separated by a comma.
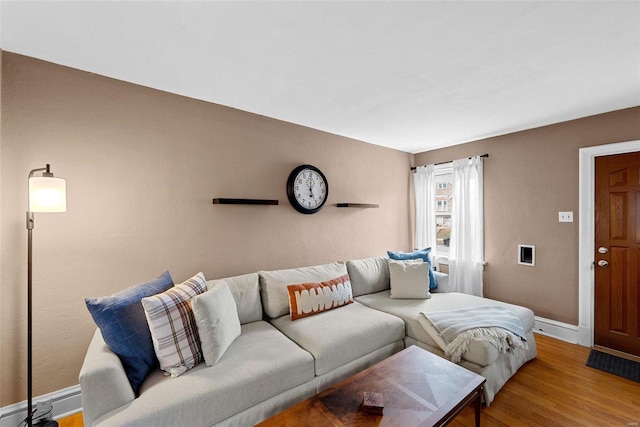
[(29, 318), (58, 205)]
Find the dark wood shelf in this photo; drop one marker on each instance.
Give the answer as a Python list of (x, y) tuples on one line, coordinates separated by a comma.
[(358, 205), (226, 201)]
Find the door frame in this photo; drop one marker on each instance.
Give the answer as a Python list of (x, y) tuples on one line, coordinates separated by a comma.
[(586, 246)]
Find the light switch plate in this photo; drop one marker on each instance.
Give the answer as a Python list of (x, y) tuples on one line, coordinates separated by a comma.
[(565, 216)]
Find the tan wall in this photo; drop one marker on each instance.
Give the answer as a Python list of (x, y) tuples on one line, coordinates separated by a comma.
[(142, 167), (529, 177)]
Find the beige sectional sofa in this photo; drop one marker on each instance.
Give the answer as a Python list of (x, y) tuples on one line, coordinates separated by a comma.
[(277, 362)]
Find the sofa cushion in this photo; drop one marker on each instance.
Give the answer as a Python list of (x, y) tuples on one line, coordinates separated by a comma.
[(337, 337), (368, 275), (480, 352), (173, 326), (409, 279), (423, 254), (124, 327), (246, 292), (273, 284), (307, 299), (217, 320), (442, 279), (259, 364)]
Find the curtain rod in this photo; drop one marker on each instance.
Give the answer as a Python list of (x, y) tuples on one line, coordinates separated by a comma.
[(442, 163)]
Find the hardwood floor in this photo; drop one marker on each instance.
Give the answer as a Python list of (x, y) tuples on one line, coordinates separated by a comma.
[(558, 389), (72, 421), (555, 389)]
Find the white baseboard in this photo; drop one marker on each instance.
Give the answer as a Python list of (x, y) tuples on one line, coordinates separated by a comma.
[(555, 329), (65, 402), (585, 336)]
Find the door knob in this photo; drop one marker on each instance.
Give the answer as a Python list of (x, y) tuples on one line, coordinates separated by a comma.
[(603, 263), (602, 250)]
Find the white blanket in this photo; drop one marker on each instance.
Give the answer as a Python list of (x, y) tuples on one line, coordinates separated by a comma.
[(459, 328)]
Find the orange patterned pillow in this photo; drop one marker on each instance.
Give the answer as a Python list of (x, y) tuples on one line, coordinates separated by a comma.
[(306, 299)]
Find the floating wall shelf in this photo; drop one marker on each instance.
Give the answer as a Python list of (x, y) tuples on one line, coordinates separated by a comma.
[(225, 201), (357, 205)]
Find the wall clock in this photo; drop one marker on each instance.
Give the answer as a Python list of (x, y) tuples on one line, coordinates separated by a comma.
[(307, 189)]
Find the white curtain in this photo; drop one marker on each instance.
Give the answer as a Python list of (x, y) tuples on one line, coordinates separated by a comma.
[(424, 184), (466, 252)]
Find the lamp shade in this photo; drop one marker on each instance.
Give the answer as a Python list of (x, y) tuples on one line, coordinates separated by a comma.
[(47, 194)]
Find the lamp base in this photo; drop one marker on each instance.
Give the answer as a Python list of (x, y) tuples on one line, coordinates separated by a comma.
[(46, 423)]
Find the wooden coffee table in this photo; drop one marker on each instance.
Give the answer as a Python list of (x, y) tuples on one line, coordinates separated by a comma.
[(419, 389)]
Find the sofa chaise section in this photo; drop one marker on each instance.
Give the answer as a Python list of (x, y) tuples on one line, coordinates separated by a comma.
[(482, 357)]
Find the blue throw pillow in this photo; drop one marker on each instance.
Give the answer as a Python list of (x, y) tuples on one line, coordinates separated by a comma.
[(422, 254), (124, 327)]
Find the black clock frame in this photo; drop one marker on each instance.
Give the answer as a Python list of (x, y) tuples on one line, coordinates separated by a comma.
[(290, 192)]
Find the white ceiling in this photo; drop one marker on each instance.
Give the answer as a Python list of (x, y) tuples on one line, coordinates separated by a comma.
[(408, 75)]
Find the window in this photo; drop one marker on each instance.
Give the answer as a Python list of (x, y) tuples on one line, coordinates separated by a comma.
[(444, 189), (444, 179)]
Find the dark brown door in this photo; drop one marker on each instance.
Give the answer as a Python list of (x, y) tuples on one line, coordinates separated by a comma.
[(617, 257)]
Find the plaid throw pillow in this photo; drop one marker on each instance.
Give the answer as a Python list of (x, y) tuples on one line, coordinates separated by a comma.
[(173, 326)]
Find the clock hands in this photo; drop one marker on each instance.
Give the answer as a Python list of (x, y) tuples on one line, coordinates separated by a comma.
[(311, 190)]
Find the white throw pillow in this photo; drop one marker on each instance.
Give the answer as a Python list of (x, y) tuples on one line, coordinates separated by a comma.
[(409, 279), (173, 328), (216, 315)]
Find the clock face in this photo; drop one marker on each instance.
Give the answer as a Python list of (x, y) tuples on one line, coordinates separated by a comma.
[(307, 189)]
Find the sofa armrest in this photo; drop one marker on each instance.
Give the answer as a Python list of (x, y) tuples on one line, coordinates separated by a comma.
[(443, 282), (103, 381)]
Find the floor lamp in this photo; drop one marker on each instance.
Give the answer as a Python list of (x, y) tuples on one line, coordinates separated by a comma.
[(46, 194)]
